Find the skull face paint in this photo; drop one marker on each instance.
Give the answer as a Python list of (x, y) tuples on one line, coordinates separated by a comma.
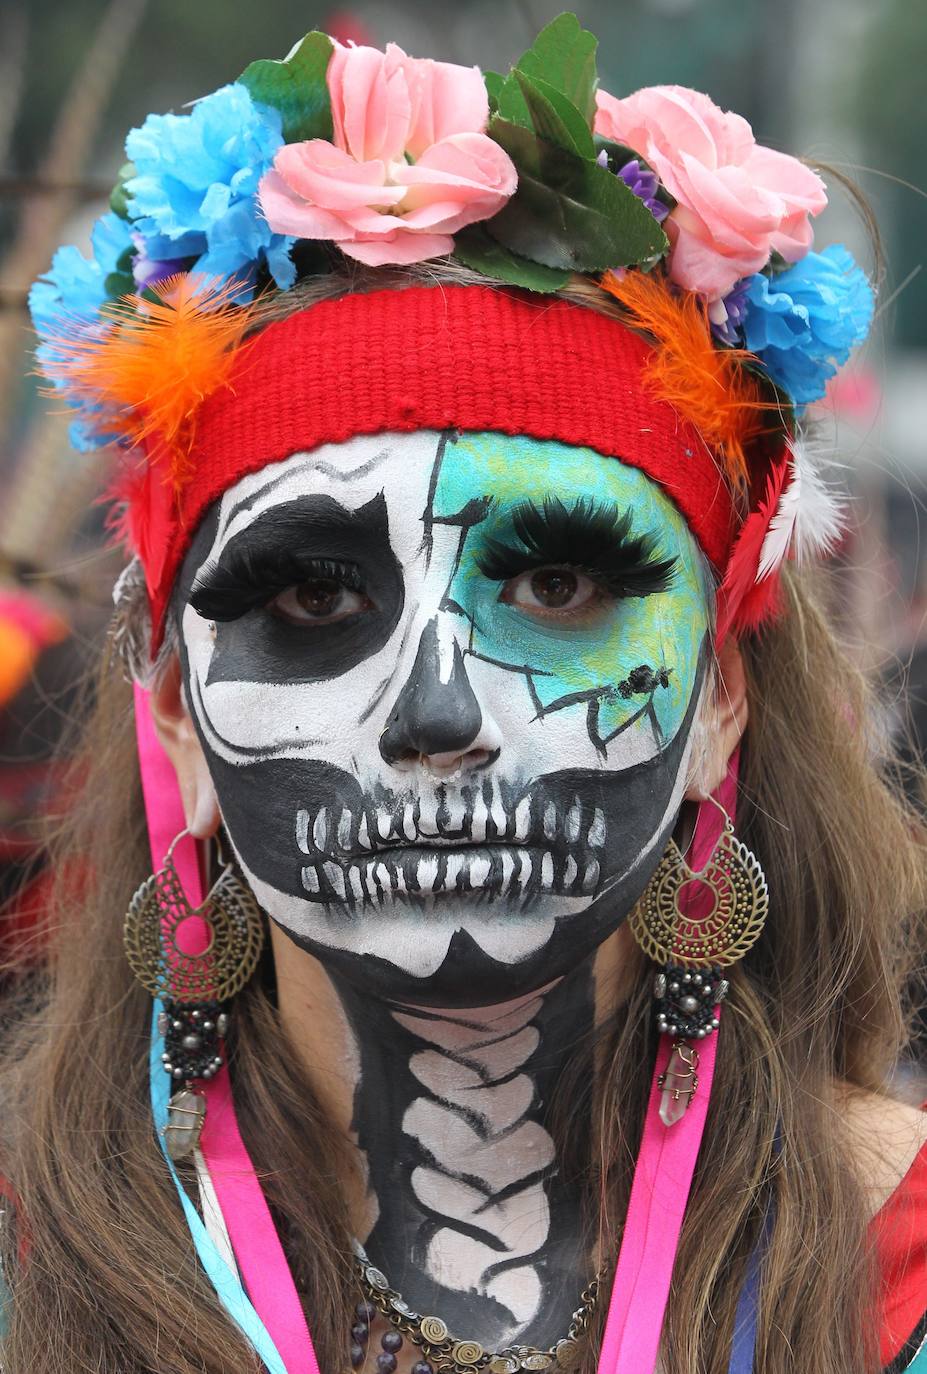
[(446, 685)]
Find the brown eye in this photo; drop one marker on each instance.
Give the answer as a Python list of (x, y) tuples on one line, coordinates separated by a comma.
[(320, 596), (557, 593), (554, 587), (319, 601)]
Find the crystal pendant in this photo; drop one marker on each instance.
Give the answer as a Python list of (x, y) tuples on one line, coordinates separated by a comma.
[(679, 1082), (186, 1112)]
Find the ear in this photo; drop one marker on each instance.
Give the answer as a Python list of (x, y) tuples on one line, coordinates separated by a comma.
[(176, 732), (727, 720)]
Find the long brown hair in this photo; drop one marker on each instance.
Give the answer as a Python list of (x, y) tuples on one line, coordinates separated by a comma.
[(98, 1256)]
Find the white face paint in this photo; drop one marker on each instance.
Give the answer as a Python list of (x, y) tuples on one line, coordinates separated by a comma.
[(448, 729)]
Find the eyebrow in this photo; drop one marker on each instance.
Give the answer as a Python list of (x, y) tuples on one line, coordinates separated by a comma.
[(594, 537), (309, 537)]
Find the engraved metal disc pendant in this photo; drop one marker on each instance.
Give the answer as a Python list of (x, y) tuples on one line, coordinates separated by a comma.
[(193, 954), (723, 918)]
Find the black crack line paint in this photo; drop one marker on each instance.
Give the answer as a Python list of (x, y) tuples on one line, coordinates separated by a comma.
[(594, 696), (453, 1116), (448, 436)]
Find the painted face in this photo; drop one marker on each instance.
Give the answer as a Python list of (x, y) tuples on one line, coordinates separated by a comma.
[(445, 684)]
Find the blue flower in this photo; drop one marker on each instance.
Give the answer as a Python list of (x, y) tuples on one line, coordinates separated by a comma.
[(72, 290), (195, 192), (804, 322), (75, 286)]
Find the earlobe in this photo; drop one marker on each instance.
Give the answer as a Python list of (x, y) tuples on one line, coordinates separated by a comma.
[(728, 717), (178, 736)]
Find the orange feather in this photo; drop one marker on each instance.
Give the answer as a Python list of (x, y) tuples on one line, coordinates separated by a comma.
[(149, 365), (705, 384)]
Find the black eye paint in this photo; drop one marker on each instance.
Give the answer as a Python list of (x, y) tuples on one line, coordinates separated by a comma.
[(308, 538), (594, 538), (246, 578)]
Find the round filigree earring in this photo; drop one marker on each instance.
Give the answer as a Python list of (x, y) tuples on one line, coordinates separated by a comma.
[(194, 959), (722, 921), (721, 917)]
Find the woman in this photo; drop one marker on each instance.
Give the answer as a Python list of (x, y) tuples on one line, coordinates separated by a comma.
[(476, 671)]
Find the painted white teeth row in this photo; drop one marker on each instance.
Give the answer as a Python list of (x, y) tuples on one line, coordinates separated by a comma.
[(512, 871), (330, 829)]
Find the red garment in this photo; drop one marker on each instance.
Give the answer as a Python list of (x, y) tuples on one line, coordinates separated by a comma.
[(899, 1231)]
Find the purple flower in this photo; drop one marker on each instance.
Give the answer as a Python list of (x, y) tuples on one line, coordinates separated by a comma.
[(727, 315), (149, 271), (643, 182)]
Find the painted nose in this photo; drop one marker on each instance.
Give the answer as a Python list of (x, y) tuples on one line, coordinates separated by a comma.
[(437, 718)]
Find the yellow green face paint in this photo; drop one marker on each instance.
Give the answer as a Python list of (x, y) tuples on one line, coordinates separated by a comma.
[(604, 658)]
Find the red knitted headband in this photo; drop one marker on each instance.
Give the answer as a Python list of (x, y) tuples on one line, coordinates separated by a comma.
[(465, 357)]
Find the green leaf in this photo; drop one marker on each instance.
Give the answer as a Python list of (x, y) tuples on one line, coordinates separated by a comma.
[(553, 116), (119, 199), (563, 55), (493, 82), (568, 212), (296, 87), (476, 248), (121, 281)]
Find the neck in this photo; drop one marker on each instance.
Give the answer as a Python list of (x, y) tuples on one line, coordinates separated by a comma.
[(457, 1178)]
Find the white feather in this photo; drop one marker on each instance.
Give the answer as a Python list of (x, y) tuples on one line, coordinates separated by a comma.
[(809, 518), (213, 1219), (821, 516)]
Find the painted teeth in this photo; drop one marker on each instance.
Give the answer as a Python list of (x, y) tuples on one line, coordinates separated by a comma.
[(479, 820), (320, 829), (335, 875), (509, 873), (480, 817), (597, 829)]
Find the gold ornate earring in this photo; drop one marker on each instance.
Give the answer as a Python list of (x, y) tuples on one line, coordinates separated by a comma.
[(195, 959), (719, 932), (694, 939), (722, 920)]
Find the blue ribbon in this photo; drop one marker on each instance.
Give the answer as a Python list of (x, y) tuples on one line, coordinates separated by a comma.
[(229, 1288)]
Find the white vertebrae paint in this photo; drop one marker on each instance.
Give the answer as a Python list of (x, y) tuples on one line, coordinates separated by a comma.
[(487, 1157)]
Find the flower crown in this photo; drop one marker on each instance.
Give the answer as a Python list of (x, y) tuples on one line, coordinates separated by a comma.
[(660, 203), (529, 178)]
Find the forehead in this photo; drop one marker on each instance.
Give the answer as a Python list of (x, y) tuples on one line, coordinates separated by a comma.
[(427, 472)]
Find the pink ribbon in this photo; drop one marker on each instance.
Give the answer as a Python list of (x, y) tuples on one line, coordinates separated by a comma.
[(263, 1265), (663, 1176)]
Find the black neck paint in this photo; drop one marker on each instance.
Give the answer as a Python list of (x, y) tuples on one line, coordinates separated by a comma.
[(479, 1221)]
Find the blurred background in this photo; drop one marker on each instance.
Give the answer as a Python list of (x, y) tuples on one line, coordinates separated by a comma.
[(835, 80)]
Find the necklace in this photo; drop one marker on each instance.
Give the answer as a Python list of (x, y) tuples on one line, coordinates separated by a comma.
[(443, 1353)]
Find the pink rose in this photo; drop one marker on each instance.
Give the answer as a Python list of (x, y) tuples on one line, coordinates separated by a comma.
[(408, 167), (737, 201)]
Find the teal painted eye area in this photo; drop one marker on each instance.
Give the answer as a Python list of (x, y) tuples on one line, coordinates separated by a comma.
[(580, 572)]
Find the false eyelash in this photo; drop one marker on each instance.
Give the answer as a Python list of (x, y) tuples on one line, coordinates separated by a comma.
[(595, 539), (244, 579)]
